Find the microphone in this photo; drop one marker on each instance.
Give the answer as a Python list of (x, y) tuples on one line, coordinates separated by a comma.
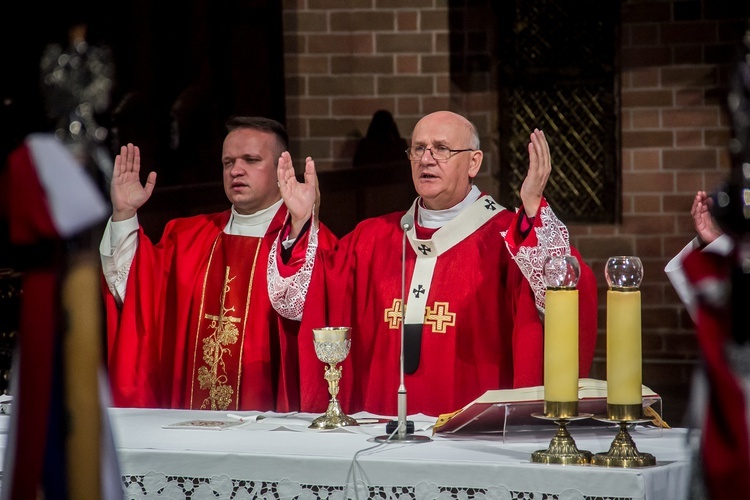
[(407, 222), (405, 429)]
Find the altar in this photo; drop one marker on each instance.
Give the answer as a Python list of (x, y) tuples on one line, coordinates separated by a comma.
[(180, 454)]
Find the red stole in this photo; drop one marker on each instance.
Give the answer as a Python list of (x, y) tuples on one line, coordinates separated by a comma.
[(221, 327)]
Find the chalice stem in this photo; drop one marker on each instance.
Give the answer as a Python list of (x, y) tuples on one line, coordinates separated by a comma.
[(332, 346), (333, 375)]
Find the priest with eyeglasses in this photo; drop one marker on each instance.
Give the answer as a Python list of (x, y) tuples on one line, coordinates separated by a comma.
[(474, 289)]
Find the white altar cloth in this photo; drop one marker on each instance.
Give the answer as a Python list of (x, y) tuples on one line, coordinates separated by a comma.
[(282, 458)]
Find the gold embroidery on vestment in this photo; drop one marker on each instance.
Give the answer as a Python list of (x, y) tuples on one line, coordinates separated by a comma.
[(200, 315), (394, 314), (213, 377), (439, 317), (224, 333)]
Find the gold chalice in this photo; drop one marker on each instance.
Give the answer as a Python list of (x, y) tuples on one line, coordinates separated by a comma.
[(332, 345)]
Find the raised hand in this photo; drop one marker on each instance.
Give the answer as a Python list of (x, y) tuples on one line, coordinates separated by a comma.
[(705, 226), (300, 198), (126, 191), (540, 167)]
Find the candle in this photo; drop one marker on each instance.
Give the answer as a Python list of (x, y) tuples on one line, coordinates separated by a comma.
[(561, 275), (624, 363), (561, 345)]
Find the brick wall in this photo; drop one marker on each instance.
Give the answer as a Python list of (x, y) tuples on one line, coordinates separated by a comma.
[(344, 61), (676, 57), (343, 64)]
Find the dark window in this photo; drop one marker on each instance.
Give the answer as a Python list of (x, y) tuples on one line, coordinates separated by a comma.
[(555, 65)]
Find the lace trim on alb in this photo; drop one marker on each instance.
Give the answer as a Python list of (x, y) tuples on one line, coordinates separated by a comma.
[(288, 294), (553, 239)]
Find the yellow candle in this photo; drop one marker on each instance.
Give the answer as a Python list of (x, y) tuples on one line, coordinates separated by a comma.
[(561, 345), (624, 364)]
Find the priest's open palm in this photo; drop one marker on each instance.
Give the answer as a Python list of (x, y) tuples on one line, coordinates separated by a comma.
[(126, 190), (540, 167), (704, 222), (300, 198)]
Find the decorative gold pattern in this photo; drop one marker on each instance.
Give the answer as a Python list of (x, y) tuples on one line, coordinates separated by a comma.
[(217, 327), (562, 449), (225, 332), (439, 318), (332, 345), (623, 452), (394, 315)]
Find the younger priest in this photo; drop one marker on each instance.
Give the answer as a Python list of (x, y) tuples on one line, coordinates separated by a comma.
[(189, 322)]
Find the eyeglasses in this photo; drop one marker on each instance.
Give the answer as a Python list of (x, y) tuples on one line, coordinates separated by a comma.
[(439, 153)]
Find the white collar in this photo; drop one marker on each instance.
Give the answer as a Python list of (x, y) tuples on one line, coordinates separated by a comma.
[(254, 224), (433, 219)]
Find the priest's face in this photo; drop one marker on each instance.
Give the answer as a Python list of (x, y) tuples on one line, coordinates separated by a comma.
[(443, 183), (249, 158)]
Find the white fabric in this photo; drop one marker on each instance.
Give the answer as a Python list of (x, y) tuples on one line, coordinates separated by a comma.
[(288, 294), (722, 245), (553, 240), (292, 458), (120, 242), (75, 202), (433, 219), (117, 250), (254, 224), (463, 222)]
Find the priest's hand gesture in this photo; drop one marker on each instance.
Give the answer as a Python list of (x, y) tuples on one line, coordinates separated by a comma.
[(705, 225), (300, 198), (540, 167), (126, 191)]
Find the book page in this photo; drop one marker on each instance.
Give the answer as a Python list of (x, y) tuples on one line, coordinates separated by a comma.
[(494, 406), (587, 388)]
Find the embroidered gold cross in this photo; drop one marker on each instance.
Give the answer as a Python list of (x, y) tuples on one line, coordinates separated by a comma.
[(439, 317), (394, 315), (213, 377)]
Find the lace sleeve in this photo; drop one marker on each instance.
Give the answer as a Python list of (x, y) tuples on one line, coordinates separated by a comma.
[(553, 239), (288, 295)]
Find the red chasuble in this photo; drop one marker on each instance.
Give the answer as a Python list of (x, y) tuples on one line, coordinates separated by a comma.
[(196, 329), (481, 327)]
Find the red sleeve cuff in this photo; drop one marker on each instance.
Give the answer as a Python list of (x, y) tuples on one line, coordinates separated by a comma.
[(525, 223)]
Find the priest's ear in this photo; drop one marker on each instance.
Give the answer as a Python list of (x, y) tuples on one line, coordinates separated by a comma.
[(475, 162)]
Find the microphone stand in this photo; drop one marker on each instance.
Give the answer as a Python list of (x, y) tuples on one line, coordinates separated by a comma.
[(407, 222)]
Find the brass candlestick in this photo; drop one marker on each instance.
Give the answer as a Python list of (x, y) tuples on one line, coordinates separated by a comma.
[(624, 361), (623, 452), (332, 346), (562, 448), (561, 274)]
